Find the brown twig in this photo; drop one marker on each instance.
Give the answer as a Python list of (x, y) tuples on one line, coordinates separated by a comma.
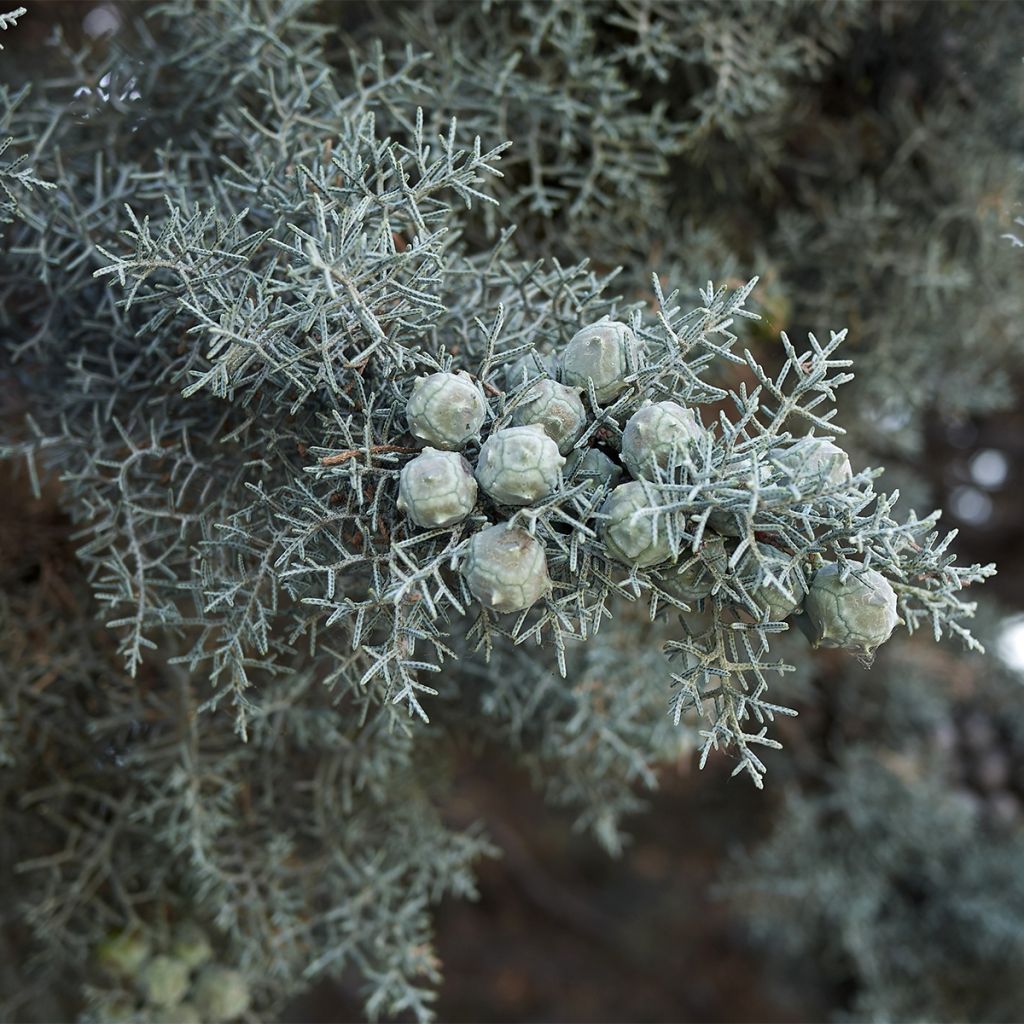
[(339, 457)]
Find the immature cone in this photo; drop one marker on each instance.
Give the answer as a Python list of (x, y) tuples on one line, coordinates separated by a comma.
[(519, 465), (629, 535), (815, 457), (221, 994), (164, 981), (556, 409), (506, 569), (766, 596), (606, 353), (858, 613), (123, 953), (732, 523), (113, 1008), (591, 464), (694, 582), (445, 410), (436, 488), (183, 1013), (725, 523), (191, 944), (525, 369), (653, 432)]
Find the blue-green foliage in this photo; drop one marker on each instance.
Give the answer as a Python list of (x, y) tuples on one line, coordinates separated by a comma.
[(902, 894)]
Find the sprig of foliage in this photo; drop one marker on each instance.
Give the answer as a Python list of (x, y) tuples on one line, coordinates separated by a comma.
[(9, 19)]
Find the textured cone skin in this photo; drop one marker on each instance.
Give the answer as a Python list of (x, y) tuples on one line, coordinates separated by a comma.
[(437, 488), (859, 614), (519, 465), (605, 352), (593, 465), (766, 596), (694, 582), (123, 954), (221, 994), (654, 432), (629, 536), (446, 410), (506, 569), (557, 410), (814, 457), (183, 1013), (191, 944), (727, 523), (164, 981), (524, 370)]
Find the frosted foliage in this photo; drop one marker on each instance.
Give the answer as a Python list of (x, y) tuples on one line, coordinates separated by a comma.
[(654, 432), (506, 569), (630, 527), (519, 465), (695, 579), (779, 601), (814, 456), (228, 333), (437, 488), (858, 612), (445, 410), (557, 409), (606, 353)]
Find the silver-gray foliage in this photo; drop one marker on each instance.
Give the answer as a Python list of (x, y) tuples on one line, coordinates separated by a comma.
[(225, 272)]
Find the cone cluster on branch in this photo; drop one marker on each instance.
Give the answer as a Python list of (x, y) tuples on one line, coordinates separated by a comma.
[(180, 984)]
